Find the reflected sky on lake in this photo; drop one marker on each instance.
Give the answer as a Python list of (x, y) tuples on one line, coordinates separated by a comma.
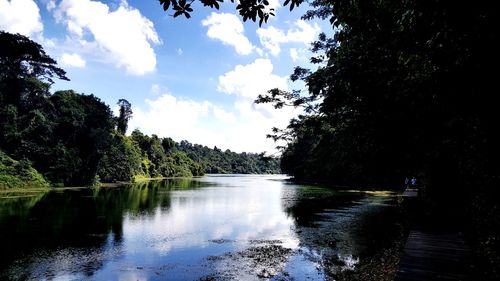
[(183, 229), (233, 210)]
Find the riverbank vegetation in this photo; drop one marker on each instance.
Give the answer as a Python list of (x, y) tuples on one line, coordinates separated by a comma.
[(404, 88), (19, 174), (73, 139)]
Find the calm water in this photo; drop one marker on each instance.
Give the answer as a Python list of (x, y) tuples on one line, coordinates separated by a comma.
[(214, 227)]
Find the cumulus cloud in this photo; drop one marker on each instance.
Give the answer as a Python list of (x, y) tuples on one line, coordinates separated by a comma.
[(228, 29), (20, 16), (243, 128), (73, 60), (255, 121), (50, 5), (299, 54), (183, 119), (251, 80), (223, 116), (294, 54), (271, 37), (122, 36), (246, 82)]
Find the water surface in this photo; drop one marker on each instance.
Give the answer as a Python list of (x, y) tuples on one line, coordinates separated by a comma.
[(216, 227)]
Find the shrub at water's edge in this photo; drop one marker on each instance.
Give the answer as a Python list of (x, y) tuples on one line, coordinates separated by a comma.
[(19, 174)]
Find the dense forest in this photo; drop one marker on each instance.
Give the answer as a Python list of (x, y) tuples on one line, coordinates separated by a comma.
[(404, 88), (74, 139), (141, 156)]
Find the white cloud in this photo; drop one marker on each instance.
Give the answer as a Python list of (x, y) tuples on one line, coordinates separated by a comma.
[(271, 37), (180, 52), (176, 114), (224, 116), (20, 16), (73, 60), (299, 54), (248, 81), (294, 54), (123, 37), (229, 30), (273, 4), (243, 128), (51, 4), (183, 119)]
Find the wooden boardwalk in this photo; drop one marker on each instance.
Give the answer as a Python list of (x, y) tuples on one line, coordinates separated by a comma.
[(410, 193), (431, 254)]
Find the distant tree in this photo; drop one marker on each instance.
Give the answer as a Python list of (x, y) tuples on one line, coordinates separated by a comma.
[(125, 115), (142, 140), (22, 63), (82, 132), (168, 144), (122, 161)]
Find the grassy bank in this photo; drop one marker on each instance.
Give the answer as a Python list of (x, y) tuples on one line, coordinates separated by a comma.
[(19, 175)]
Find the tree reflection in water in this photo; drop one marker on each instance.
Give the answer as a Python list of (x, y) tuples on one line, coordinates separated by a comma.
[(73, 230), (338, 230), (234, 226)]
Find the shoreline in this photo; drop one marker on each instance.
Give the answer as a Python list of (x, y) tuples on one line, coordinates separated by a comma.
[(17, 190), (346, 187), (105, 184)]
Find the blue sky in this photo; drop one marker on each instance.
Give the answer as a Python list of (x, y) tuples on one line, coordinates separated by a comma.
[(192, 79)]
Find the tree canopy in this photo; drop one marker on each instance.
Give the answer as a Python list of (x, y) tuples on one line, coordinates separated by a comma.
[(401, 88), (124, 116)]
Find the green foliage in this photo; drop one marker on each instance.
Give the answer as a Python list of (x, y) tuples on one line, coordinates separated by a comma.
[(19, 174), (64, 138), (402, 89), (154, 157), (140, 157), (64, 135), (22, 63), (216, 161), (160, 159), (83, 130), (122, 161), (124, 117)]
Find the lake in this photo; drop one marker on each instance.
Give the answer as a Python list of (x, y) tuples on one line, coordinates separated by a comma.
[(217, 227)]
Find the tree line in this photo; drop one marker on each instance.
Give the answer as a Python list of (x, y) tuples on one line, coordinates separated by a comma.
[(74, 139)]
